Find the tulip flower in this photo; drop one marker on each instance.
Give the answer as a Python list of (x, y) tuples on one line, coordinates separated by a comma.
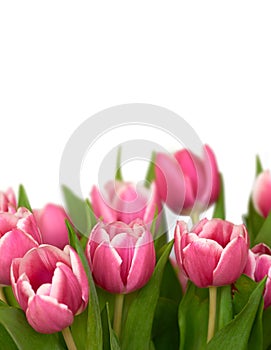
[(8, 201), (18, 234), (258, 266), (121, 256), (261, 193), (51, 286), (213, 253), (51, 222), (186, 182), (125, 202)]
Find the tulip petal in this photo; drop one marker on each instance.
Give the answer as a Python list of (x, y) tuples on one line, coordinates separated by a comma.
[(153, 206), (100, 207), (106, 268), (263, 266), (46, 315), (234, 255), (144, 252), (170, 181), (250, 267), (13, 244), (71, 296), (8, 221), (267, 290), (218, 230), (23, 291), (200, 259), (212, 183), (261, 193)]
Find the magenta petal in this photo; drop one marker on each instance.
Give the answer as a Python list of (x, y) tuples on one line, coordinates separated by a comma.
[(212, 177), (263, 266), (22, 290), (250, 267), (46, 315), (28, 224), (261, 193), (13, 244), (7, 223), (232, 262), (267, 291), (106, 268), (144, 254), (200, 259), (71, 296), (153, 206)]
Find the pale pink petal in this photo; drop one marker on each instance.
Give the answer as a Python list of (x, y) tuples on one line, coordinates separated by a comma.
[(250, 267), (262, 267), (8, 221), (106, 268), (217, 230), (154, 206), (46, 315), (100, 207), (261, 193), (44, 289), (231, 263), (200, 259), (13, 244), (170, 182), (29, 225)]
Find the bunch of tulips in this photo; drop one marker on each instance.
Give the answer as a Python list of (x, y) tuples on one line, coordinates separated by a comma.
[(103, 273)]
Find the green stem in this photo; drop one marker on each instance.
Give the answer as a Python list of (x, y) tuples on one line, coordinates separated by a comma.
[(212, 313), (195, 217), (2, 295), (68, 339), (118, 313)]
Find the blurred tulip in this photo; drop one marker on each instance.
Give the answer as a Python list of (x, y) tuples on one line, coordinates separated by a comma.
[(258, 266), (261, 193), (213, 253), (121, 256), (51, 222), (185, 182), (18, 234), (51, 286), (8, 201), (126, 202)]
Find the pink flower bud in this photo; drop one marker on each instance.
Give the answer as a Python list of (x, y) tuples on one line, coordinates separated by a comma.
[(51, 286), (8, 201), (213, 253), (18, 234), (121, 256), (261, 193), (123, 201), (186, 182), (258, 266), (51, 222)]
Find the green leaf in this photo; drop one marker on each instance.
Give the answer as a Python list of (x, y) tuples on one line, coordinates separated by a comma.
[(193, 318), (8, 293), (264, 235), (259, 167), (79, 211), (170, 285), (225, 307), (118, 175), (266, 328), (243, 288), (165, 330), (79, 330), (23, 200), (137, 334), (219, 210), (235, 335), (114, 344), (150, 175), (23, 335), (6, 341), (253, 221), (256, 336), (94, 337)]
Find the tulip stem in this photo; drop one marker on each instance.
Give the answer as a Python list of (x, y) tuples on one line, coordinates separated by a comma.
[(195, 217), (118, 313), (2, 295), (212, 312), (66, 332)]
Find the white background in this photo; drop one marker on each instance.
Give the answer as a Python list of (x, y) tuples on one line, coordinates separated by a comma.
[(63, 61)]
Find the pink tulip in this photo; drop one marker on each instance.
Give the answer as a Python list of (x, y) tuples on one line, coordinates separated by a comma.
[(51, 286), (186, 182), (213, 253), (8, 201), (121, 256), (125, 202), (18, 234), (258, 266), (261, 194), (51, 222)]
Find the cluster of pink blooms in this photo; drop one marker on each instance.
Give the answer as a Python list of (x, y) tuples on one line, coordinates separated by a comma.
[(47, 275)]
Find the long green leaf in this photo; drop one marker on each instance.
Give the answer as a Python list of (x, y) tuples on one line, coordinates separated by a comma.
[(118, 175), (114, 344), (150, 175), (23, 335), (138, 326), (259, 167), (23, 200), (219, 210), (94, 336), (235, 335), (225, 308), (264, 235)]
